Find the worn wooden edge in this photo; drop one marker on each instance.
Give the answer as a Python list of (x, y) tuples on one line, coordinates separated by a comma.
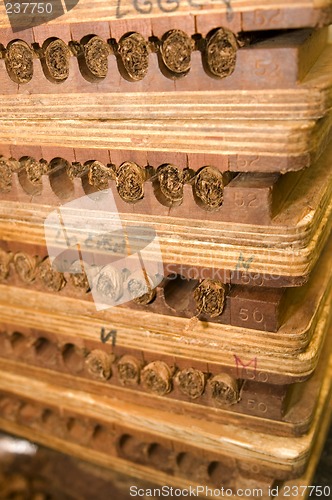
[(300, 105), (245, 15), (313, 136), (275, 139), (283, 267), (306, 480)]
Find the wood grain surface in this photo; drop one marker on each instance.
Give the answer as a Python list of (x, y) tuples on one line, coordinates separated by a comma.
[(295, 143)]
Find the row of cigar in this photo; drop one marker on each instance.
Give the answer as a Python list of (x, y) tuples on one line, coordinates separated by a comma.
[(166, 306), (175, 49)]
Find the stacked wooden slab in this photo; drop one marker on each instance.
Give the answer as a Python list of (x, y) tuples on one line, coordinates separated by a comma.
[(208, 125)]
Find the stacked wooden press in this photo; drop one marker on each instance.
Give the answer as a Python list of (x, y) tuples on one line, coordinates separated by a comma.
[(207, 124)]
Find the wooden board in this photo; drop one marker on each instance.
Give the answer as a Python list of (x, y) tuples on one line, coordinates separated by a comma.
[(310, 99), (181, 389), (276, 62), (30, 408), (286, 145), (285, 357), (198, 299), (247, 15), (142, 185), (303, 488), (282, 254)]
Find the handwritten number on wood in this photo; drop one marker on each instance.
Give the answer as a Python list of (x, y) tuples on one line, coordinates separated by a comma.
[(104, 337), (145, 7), (244, 263)]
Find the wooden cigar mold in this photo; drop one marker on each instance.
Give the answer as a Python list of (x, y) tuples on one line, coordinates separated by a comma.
[(201, 125), (119, 442), (124, 373), (209, 192), (18, 475), (309, 100), (258, 253), (204, 300), (34, 406), (204, 194), (198, 299), (194, 61)]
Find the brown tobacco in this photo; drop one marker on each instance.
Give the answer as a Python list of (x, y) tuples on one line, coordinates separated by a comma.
[(19, 61), (210, 297), (209, 188), (220, 51), (5, 176), (34, 169), (129, 370), (5, 260), (55, 60), (134, 56), (75, 169), (132, 51), (175, 50), (137, 286), (99, 364), (130, 179), (169, 188), (157, 377), (93, 58), (225, 389), (26, 266), (51, 279), (109, 283), (191, 382), (78, 277), (98, 174)]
